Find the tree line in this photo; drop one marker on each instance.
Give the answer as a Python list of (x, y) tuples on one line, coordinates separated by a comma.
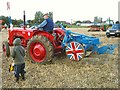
[(5, 20), (38, 18)]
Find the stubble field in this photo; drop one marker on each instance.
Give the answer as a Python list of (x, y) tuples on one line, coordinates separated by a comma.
[(96, 71)]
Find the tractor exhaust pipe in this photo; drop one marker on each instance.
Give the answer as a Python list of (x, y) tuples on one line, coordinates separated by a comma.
[(24, 20)]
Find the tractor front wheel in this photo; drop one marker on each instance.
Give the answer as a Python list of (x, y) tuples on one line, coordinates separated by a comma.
[(40, 49), (6, 49)]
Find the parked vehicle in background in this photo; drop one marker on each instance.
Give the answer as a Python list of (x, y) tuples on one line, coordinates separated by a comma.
[(94, 28), (113, 31)]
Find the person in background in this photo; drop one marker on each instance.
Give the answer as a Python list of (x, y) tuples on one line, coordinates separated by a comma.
[(18, 55), (47, 24)]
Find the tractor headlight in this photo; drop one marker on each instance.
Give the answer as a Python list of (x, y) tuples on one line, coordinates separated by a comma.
[(107, 31)]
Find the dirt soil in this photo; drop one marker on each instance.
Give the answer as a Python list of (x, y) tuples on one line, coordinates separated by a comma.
[(96, 71)]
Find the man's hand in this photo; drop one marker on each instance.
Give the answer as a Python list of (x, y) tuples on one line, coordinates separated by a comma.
[(41, 29)]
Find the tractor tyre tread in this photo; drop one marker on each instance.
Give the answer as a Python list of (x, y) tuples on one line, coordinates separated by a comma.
[(7, 48), (47, 44)]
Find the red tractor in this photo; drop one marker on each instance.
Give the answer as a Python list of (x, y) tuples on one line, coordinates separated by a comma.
[(41, 45)]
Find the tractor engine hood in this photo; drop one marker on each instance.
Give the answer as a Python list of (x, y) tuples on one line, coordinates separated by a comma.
[(22, 29)]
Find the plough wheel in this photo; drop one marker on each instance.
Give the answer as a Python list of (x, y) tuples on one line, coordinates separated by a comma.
[(39, 49), (6, 49), (89, 51), (75, 51)]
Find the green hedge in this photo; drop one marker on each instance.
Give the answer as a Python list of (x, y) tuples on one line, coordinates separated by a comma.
[(74, 26)]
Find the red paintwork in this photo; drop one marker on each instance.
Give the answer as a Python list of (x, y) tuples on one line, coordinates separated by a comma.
[(95, 28), (37, 52), (26, 34)]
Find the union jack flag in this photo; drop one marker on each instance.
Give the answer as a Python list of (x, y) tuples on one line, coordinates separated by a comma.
[(74, 51)]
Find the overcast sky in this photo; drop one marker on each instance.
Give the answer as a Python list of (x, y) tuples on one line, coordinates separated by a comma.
[(65, 10)]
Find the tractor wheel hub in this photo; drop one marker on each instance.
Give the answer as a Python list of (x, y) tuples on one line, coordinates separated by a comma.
[(38, 50)]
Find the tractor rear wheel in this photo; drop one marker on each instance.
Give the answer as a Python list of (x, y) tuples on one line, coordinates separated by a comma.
[(40, 49), (6, 49)]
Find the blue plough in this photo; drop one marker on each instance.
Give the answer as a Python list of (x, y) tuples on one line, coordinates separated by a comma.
[(77, 46)]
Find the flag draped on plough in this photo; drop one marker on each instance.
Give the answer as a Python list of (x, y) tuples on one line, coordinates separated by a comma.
[(9, 16), (74, 51)]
